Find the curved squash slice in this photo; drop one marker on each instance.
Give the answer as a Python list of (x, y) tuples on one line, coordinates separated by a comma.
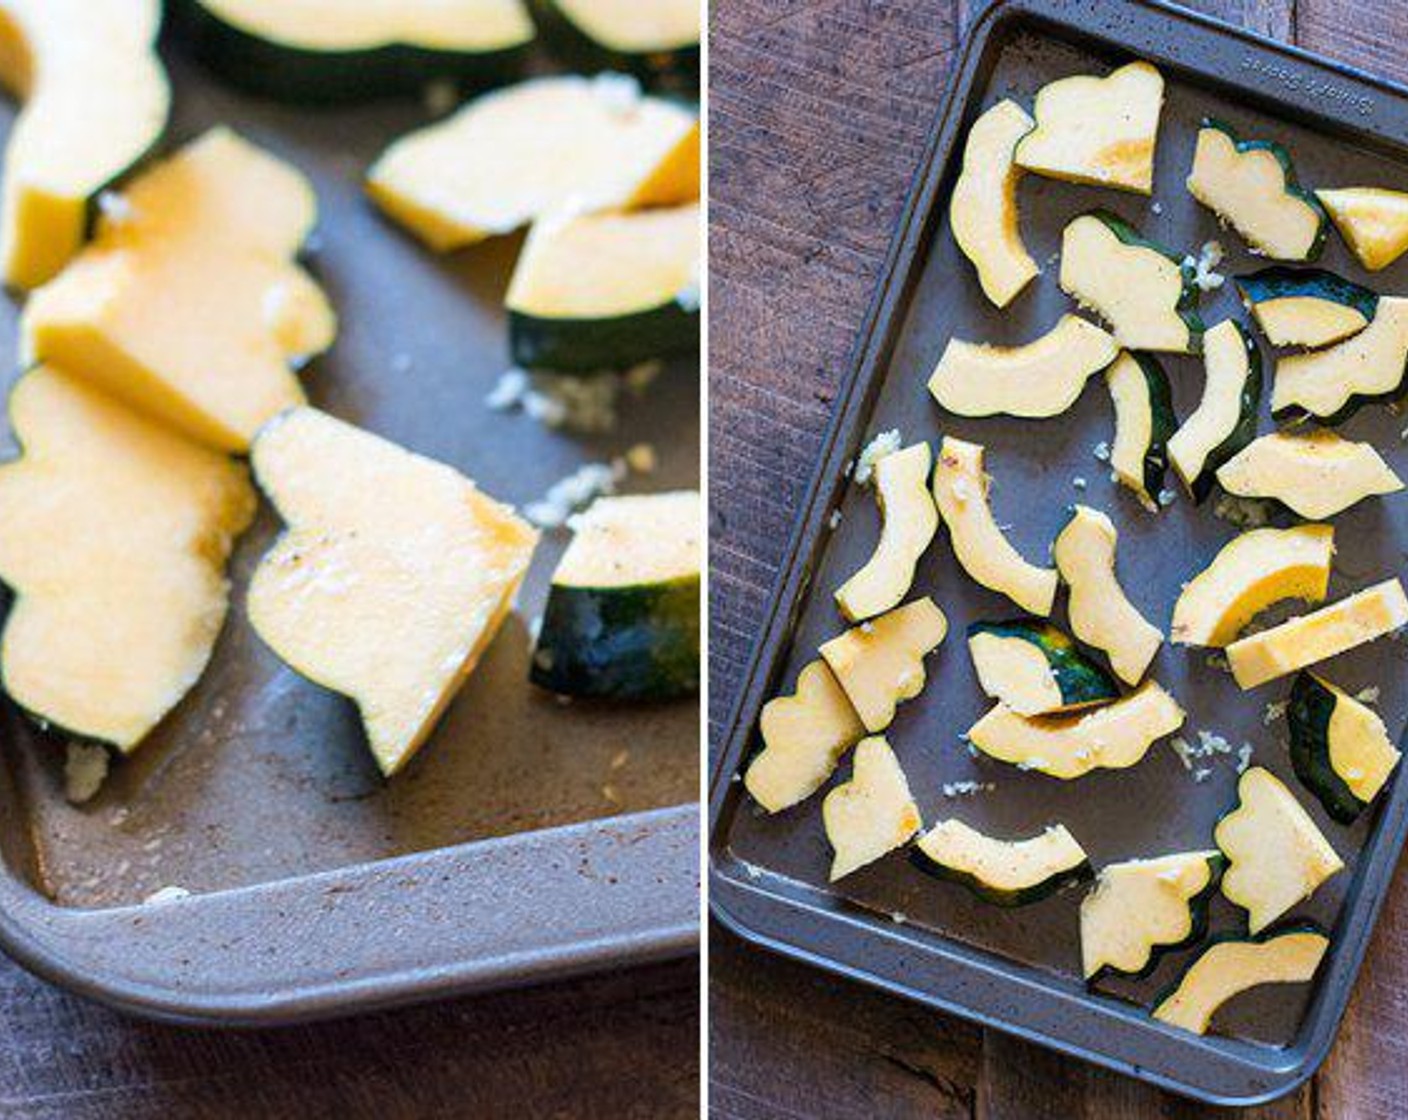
[(1225, 420), (902, 489), (961, 494), (1144, 907), (1317, 475), (1145, 292), (1306, 307), (983, 211), (622, 618), (881, 662), (1373, 222), (1036, 670), (1252, 572), (872, 814), (1333, 384), (1339, 747), (659, 41), (606, 291), (188, 305), (804, 736), (1007, 872), (521, 153), (96, 101), (1144, 423), (1113, 737), (394, 575), (1276, 857), (339, 50), (1371, 614), (1100, 131), (1231, 966), (1041, 379), (115, 541), (1101, 614), (1252, 185)]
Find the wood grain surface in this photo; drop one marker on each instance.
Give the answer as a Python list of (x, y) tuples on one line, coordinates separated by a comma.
[(819, 111)]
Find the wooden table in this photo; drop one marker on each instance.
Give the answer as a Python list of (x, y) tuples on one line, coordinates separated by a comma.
[(819, 111)]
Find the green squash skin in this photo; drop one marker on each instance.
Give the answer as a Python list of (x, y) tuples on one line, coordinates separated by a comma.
[(676, 69), (1187, 306), (275, 70), (1308, 719), (1067, 877), (1199, 907), (1288, 173), (1245, 430), (1163, 422), (1281, 282), (596, 345), (1082, 682), (623, 643)]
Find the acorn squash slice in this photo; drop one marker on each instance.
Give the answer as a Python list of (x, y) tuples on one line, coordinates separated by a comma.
[(188, 304), (347, 50), (1250, 573), (1039, 379), (1276, 857), (606, 291), (116, 534), (1306, 307), (1372, 221), (1333, 384), (1300, 642), (872, 814), (1225, 420), (1316, 474), (1251, 185), (983, 211), (518, 154), (961, 494), (910, 522), (1144, 291), (1101, 614), (392, 578), (1144, 423), (96, 101), (1006, 872), (1034, 669), (622, 618), (1113, 737), (804, 736), (1099, 131), (1230, 966), (1142, 908), (1340, 747), (658, 42), (880, 663)]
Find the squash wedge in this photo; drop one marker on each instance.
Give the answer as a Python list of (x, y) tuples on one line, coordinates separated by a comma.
[(1144, 423), (1340, 748), (188, 305), (1333, 384), (1316, 475), (1250, 573), (1225, 420), (392, 578), (524, 152), (1034, 669), (1005, 872), (910, 522), (1373, 222), (337, 50), (116, 537), (96, 101), (961, 495), (880, 663), (872, 814), (804, 737), (658, 42), (1306, 307)]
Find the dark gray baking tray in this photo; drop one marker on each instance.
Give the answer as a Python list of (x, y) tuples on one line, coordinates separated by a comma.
[(889, 924), (529, 839)]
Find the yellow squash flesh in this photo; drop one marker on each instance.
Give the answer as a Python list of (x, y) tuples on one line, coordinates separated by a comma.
[(1373, 221), (1368, 364), (1316, 475), (1138, 905), (910, 522), (394, 575), (96, 99), (1133, 287), (873, 813), (880, 663), (1248, 189), (188, 305), (116, 533), (633, 27), (355, 25)]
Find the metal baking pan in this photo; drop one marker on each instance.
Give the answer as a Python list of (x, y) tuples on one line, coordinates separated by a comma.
[(529, 839), (892, 926)]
